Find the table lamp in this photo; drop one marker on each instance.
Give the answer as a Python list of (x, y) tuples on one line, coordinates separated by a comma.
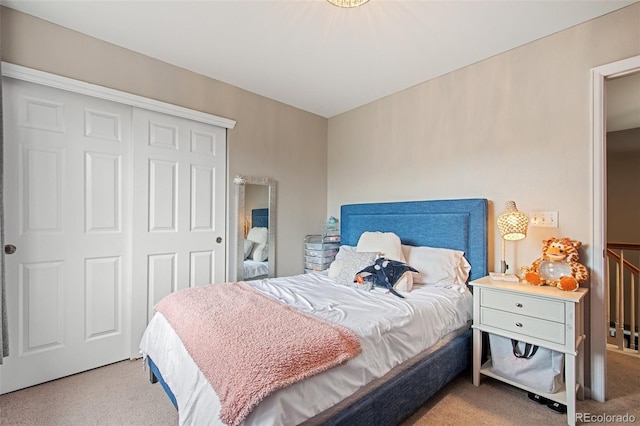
[(513, 226)]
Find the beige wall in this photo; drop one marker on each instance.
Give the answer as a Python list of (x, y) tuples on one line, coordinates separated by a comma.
[(516, 126), (256, 197), (270, 139), (623, 187), (623, 200), (513, 127), (504, 128)]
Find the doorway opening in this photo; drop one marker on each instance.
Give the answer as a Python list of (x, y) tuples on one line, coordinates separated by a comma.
[(599, 328)]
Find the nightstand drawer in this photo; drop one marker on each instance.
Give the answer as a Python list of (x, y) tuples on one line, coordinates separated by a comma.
[(526, 326), (524, 305)]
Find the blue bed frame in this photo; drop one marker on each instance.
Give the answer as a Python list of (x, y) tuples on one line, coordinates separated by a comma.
[(457, 224)]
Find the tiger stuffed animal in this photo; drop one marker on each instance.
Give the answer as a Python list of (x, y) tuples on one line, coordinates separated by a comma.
[(558, 265)]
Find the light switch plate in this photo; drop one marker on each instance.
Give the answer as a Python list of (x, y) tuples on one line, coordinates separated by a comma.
[(543, 219)]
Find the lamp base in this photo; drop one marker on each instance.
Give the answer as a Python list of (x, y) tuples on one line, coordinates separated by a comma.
[(501, 276), (503, 265)]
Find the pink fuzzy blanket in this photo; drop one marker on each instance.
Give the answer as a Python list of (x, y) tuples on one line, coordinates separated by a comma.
[(249, 345)]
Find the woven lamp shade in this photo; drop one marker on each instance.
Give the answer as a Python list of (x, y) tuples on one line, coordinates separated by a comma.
[(512, 223)]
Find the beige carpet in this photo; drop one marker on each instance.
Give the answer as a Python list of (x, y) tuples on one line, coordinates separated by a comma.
[(120, 394), (496, 403)]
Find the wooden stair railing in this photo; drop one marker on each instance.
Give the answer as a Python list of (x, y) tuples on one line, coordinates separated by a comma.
[(623, 269)]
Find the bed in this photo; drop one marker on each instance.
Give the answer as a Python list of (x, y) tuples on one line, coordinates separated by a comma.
[(257, 269), (403, 380)]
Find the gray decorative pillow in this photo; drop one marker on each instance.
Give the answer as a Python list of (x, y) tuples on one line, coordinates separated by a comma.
[(352, 263), (248, 245), (336, 265)]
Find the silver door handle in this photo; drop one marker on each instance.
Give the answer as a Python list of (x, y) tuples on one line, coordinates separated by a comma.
[(10, 249)]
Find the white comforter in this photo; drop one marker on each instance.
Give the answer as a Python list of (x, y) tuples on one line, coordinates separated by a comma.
[(391, 329), (254, 268)]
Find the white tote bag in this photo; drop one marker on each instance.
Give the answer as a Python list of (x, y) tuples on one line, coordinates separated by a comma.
[(536, 367)]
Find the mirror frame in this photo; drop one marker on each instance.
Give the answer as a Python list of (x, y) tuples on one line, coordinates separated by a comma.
[(240, 182)]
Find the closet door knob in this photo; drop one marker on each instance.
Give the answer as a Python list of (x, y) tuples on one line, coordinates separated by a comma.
[(219, 240), (10, 249)]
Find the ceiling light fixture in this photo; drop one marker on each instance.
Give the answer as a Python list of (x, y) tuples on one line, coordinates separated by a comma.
[(347, 3)]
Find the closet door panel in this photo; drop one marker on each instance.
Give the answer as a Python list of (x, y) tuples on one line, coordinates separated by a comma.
[(103, 200), (75, 184), (67, 186), (163, 195), (179, 208), (203, 184)]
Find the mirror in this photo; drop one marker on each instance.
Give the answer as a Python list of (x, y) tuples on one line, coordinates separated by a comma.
[(256, 227)]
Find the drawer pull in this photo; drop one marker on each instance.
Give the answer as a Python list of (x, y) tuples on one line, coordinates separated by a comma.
[(518, 324), (518, 305)]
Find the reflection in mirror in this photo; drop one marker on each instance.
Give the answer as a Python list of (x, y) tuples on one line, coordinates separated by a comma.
[(256, 227)]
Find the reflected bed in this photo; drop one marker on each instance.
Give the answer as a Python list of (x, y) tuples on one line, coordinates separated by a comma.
[(257, 269)]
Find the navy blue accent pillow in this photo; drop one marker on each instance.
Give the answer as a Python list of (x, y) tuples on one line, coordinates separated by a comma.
[(384, 273)]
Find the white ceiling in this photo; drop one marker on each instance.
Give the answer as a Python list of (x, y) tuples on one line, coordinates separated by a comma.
[(311, 54)]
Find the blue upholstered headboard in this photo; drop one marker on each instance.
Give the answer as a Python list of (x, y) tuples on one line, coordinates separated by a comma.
[(260, 218), (455, 224)]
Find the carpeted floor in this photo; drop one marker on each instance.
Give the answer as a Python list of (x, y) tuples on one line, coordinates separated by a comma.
[(117, 394), (120, 394), (496, 403)]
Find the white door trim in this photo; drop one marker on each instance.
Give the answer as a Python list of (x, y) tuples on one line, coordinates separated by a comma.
[(71, 85), (598, 335)]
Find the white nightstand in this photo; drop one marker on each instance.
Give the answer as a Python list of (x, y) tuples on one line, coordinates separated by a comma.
[(540, 315)]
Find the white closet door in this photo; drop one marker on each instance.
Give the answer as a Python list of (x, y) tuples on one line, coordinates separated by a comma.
[(179, 208), (67, 197)]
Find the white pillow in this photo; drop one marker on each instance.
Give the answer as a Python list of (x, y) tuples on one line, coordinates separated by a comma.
[(334, 268), (386, 243), (260, 253), (259, 236), (437, 265), (248, 245), (405, 282)]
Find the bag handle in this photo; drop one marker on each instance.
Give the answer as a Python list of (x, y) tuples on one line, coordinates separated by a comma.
[(529, 350)]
